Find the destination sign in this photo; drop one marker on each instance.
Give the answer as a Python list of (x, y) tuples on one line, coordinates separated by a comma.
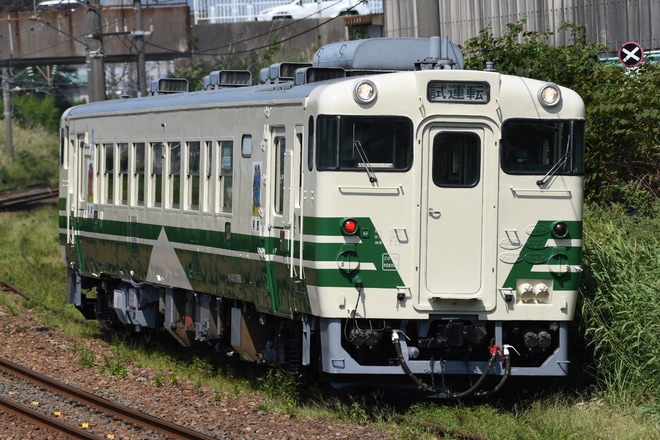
[(458, 91)]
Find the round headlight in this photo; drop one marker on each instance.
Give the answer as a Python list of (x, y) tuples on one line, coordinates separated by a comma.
[(364, 92), (549, 95)]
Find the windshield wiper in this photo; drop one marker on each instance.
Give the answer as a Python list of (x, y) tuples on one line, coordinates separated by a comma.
[(562, 160), (363, 157)]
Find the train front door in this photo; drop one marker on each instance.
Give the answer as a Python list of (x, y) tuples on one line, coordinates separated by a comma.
[(453, 211)]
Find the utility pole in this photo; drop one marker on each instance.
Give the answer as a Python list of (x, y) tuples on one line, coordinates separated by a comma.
[(95, 54), (6, 97), (139, 43)]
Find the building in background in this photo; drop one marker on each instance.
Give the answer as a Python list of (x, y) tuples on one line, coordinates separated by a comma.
[(610, 22)]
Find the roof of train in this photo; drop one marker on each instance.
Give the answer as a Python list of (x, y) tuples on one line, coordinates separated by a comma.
[(375, 55), (259, 93)]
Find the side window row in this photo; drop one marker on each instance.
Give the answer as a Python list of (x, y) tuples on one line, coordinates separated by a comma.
[(189, 175)]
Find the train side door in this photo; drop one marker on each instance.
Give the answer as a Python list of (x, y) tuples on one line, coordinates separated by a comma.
[(453, 233), (72, 189), (285, 169), (287, 189), (294, 212), (81, 178)]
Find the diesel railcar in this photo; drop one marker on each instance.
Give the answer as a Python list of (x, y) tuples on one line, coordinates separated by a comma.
[(378, 216)]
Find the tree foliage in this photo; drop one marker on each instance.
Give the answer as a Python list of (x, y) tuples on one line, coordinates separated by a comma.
[(45, 111), (623, 135)]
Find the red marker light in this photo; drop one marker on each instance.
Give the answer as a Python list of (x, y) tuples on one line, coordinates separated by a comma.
[(349, 226)]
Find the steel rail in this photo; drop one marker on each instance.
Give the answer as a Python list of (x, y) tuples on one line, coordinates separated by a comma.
[(43, 420), (106, 406), (20, 199)]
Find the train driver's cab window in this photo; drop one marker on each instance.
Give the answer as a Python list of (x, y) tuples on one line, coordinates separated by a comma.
[(538, 147), (310, 144), (456, 159), (359, 143)]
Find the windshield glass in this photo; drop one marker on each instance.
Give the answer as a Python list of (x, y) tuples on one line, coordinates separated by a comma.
[(535, 147), (359, 143)]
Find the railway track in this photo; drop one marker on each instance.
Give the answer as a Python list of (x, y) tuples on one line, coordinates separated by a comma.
[(159, 428), (16, 200), (144, 422)]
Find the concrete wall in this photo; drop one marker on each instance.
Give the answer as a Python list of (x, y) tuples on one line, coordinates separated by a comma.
[(59, 37), (298, 39)]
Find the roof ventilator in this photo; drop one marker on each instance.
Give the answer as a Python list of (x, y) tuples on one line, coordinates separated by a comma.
[(280, 73), (164, 86), (219, 79)]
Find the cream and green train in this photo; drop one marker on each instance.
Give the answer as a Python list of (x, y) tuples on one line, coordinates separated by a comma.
[(378, 217)]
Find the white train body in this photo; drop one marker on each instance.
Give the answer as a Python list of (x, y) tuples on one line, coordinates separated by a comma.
[(423, 231)]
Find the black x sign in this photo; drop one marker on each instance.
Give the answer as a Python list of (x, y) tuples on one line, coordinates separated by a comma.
[(631, 54)]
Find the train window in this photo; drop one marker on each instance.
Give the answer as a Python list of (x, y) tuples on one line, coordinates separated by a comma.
[(208, 183), (63, 150), (356, 143), (209, 158), (123, 173), (138, 172), (280, 150), (174, 174), (456, 159), (531, 146), (109, 174), (87, 173), (89, 179), (193, 175), (310, 144), (246, 145), (225, 184), (156, 184)]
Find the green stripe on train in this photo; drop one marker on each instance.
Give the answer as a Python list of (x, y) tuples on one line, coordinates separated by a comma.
[(266, 283), (535, 253)]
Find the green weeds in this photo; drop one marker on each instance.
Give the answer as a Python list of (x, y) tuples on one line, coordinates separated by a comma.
[(620, 309), (114, 367)]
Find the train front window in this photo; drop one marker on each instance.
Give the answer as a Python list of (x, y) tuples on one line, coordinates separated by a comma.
[(539, 146), (456, 159), (359, 143)]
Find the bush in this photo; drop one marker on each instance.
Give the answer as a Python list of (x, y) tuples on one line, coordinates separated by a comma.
[(35, 110), (36, 154), (622, 137), (620, 309)]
